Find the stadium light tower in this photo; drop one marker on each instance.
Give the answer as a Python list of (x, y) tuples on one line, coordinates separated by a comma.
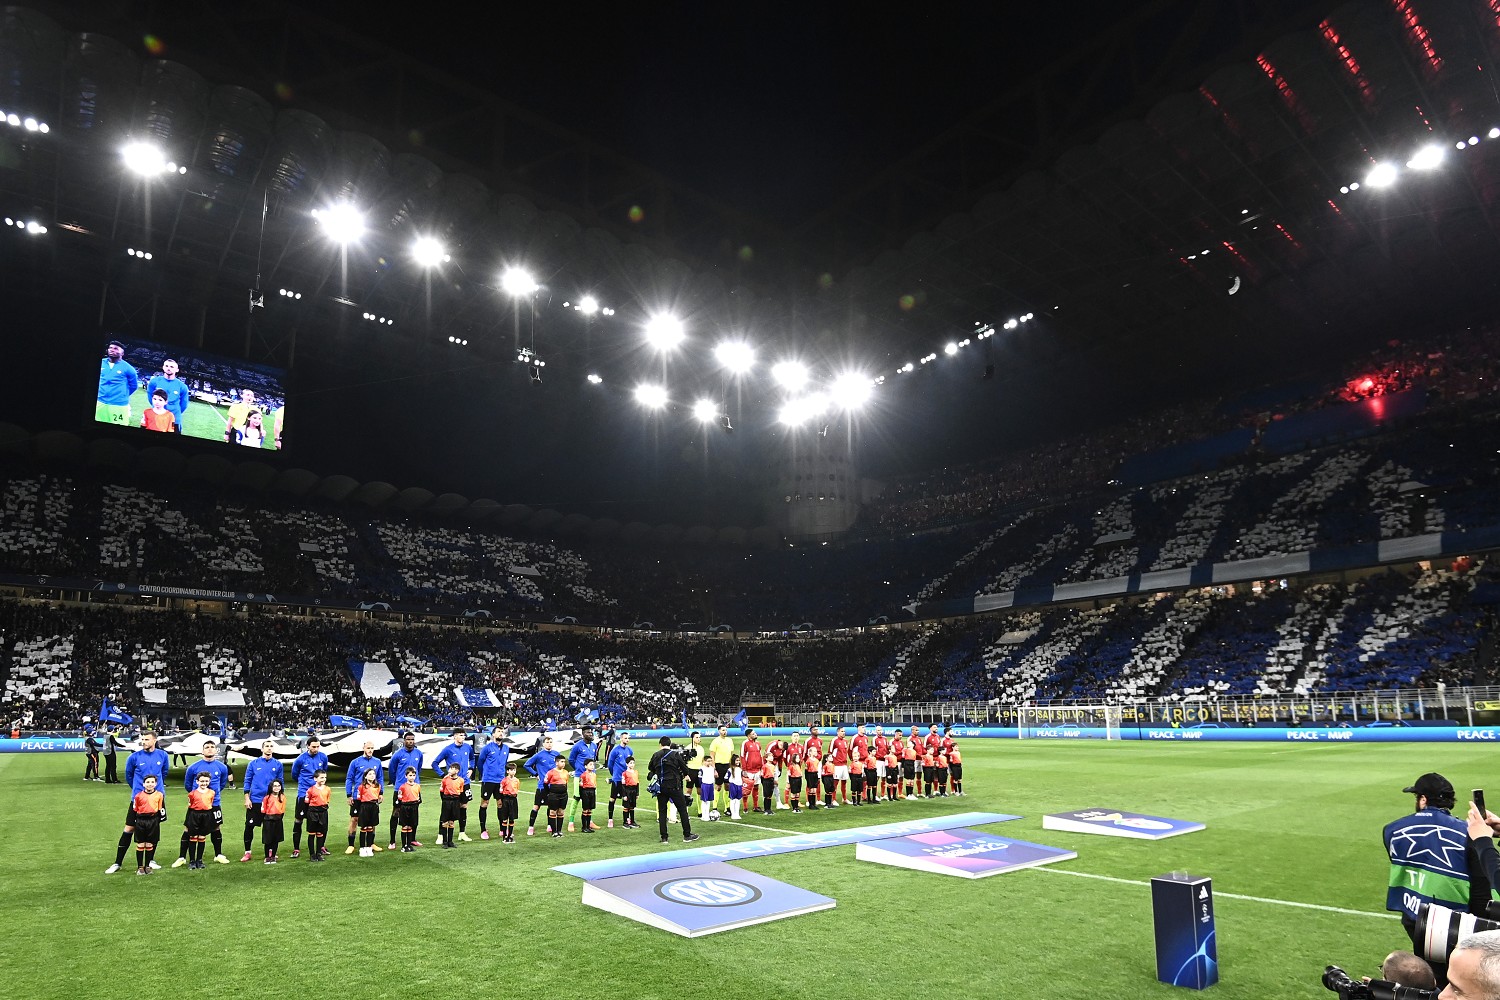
[(146, 159), (588, 305), (736, 356), (342, 222), (665, 331), (652, 397), (851, 391), (429, 252), (518, 281), (706, 410)]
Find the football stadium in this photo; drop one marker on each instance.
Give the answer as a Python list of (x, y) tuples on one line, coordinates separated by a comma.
[(791, 502)]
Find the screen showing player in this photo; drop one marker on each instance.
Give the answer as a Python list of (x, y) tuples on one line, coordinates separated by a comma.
[(169, 390)]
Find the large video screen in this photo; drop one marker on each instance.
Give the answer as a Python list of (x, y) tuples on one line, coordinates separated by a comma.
[(174, 390)]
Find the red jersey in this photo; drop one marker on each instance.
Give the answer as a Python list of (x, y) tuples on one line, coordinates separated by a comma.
[(201, 799), (769, 771), (629, 778), (409, 791), (795, 750), (367, 792), (881, 745), (856, 765), (862, 743), (933, 741), (452, 786), (947, 744), (273, 805), (750, 757), (910, 753), (511, 785), (840, 751), (828, 768), (793, 767), (953, 756), (163, 421), (815, 743), (586, 779), (147, 802), (927, 761), (942, 761), (890, 761), (557, 776), (318, 795)]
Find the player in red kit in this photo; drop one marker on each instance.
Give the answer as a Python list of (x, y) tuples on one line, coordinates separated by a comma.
[(751, 762)]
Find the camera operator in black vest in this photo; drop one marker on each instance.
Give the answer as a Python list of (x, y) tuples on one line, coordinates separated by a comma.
[(669, 767)]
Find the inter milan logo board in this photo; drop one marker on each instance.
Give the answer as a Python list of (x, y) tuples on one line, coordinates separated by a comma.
[(702, 899)]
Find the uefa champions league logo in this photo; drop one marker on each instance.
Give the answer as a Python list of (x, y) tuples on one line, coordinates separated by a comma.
[(707, 891)]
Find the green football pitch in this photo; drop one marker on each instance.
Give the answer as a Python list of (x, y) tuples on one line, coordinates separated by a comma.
[(202, 420), (1292, 844)]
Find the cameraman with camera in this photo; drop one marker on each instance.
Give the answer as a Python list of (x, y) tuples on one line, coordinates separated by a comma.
[(668, 771)]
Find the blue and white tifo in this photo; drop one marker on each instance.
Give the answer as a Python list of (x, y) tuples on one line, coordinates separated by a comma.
[(965, 853), (1117, 823), (665, 860), (703, 899)]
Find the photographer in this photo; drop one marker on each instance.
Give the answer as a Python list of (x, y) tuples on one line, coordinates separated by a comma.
[(1406, 969), (1432, 857), (1474, 968), (669, 767)]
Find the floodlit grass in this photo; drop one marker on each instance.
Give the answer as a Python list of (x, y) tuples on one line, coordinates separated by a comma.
[(202, 420), (1299, 824)]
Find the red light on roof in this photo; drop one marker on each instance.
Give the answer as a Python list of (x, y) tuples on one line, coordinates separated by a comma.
[(1331, 36), (1418, 34)]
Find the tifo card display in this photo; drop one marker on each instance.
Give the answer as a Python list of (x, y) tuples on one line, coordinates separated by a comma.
[(1118, 823), (703, 899), (965, 853)]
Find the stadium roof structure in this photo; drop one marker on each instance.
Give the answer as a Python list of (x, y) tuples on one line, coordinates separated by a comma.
[(1180, 202)]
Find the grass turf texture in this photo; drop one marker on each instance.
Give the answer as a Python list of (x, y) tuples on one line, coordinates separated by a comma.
[(1294, 823), (202, 420)]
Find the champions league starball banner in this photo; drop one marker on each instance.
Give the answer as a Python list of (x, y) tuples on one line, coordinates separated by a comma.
[(965, 853), (1117, 823)]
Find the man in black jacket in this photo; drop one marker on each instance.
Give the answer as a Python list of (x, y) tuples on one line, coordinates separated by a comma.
[(669, 767)]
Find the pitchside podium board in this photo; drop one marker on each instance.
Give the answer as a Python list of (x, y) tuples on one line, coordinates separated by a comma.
[(1182, 908)]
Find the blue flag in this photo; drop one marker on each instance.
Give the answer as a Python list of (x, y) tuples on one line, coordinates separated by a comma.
[(345, 722), (407, 720), (109, 713), (740, 720), (685, 721)]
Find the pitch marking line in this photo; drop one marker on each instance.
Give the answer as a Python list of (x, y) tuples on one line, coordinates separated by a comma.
[(740, 822), (1229, 895)]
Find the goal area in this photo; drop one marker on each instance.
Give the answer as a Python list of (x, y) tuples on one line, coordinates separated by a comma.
[(1077, 722)]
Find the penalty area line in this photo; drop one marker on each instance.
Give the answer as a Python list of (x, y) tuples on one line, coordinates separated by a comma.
[(1229, 895)]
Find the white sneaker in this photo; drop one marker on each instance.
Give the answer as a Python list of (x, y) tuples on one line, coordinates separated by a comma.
[(465, 838), (833, 805), (219, 859), (392, 846), (111, 869), (179, 862), (154, 866)]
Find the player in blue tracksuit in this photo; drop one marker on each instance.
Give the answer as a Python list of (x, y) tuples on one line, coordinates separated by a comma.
[(147, 762), (308, 763), (406, 755), (583, 751), (615, 764), (489, 767), (118, 379), (461, 753), (259, 774), (219, 778), (366, 761), (175, 388), (538, 764)]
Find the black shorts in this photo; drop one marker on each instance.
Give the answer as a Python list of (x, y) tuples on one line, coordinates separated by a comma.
[(541, 796), (630, 793), (369, 814), (795, 784), (557, 796), (617, 789), (940, 776), (588, 797), (301, 812), (508, 808), (272, 830), (857, 779), (317, 819), (253, 815), (489, 790), (353, 808), (218, 817), (407, 813), (721, 773), (908, 769), (200, 822), (147, 827), (452, 806), (956, 772)]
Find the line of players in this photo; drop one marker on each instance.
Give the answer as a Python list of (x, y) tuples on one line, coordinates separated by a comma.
[(871, 769)]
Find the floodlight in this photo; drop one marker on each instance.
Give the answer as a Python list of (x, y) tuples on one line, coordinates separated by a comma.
[(1381, 175), (653, 396), (594, 379), (342, 222), (735, 355), (705, 410), (851, 390), (665, 331), (144, 158), (789, 374), (1494, 133), (517, 281), (950, 348), (588, 305), (1429, 157), (428, 252)]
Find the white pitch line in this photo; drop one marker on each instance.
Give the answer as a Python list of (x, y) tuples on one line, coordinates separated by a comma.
[(1229, 895), (769, 829)]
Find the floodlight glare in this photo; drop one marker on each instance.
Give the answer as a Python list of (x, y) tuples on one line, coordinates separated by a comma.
[(1494, 133), (144, 158), (588, 305), (735, 355), (851, 390), (342, 222), (1381, 175), (665, 331), (428, 252), (705, 410), (653, 396), (789, 374), (517, 281), (1427, 158), (950, 348), (594, 379)]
